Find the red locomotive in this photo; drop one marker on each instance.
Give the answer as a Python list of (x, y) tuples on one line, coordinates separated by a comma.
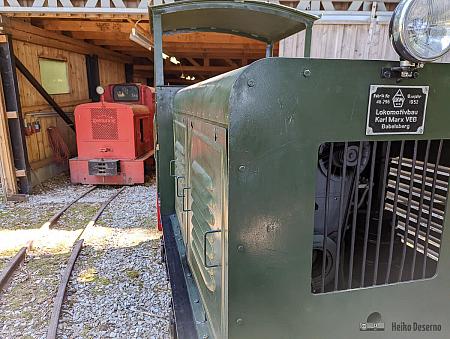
[(114, 136)]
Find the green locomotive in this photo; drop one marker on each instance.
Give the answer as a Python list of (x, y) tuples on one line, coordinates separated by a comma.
[(307, 198)]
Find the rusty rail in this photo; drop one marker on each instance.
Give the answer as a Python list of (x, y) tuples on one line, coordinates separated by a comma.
[(20, 256), (12, 266), (57, 307)]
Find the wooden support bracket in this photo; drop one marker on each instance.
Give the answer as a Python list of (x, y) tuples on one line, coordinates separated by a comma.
[(12, 115), (21, 173)]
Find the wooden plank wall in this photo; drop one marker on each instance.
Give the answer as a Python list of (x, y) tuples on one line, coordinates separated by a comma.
[(35, 108), (345, 41), (29, 54), (111, 72)]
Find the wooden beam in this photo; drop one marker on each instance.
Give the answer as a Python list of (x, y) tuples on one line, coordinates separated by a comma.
[(101, 36), (211, 38), (181, 46), (112, 43), (88, 26), (80, 12), (7, 169), (203, 54), (230, 62), (193, 62), (177, 68), (66, 105), (26, 32), (84, 29)]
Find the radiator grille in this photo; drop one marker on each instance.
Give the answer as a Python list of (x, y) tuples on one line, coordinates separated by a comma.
[(380, 212), (424, 236), (104, 124), (202, 222)]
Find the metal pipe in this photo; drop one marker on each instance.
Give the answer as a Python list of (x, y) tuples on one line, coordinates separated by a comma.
[(158, 52), (308, 39), (394, 214), (269, 50), (419, 216), (368, 214)]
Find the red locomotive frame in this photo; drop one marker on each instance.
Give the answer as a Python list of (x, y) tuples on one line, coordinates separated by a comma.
[(114, 136)]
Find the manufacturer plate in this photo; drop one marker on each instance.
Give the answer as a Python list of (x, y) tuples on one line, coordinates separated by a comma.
[(397, 109)]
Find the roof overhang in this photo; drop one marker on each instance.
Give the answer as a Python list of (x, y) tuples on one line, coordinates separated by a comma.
[(259, 20)]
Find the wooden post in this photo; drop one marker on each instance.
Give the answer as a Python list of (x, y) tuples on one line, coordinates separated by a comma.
[(12, 103), (93, 76), (8, 171), (129, 78)]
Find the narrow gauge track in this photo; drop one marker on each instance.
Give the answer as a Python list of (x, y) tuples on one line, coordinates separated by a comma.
[(56, 312), (20, 256)]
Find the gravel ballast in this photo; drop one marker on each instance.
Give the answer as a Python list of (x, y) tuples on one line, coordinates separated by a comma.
[(119, 287)]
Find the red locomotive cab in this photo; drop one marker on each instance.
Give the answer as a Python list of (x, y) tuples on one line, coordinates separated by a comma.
[(114, 136)]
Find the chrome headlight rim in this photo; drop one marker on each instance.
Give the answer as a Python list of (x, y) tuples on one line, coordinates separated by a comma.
[(397, 33)]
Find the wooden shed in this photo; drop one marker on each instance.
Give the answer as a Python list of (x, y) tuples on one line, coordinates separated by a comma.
[(53, 54)]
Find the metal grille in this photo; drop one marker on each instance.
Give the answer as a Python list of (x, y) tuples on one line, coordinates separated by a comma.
[(104, 124), (380, 211), (202, 222)]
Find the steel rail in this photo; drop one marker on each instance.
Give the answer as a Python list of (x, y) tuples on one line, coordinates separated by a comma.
[(20, 256), (12, 266), (78, 245), (56, 217)]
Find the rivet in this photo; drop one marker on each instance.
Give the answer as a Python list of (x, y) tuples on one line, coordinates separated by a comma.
[(306, 73), (241, 168), (196, 301), (205, 336), (239, 321), (240, 248), (251, 83), (189, 274)]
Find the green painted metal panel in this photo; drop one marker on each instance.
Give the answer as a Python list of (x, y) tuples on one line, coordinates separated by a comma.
[(164, 147), (196, 100), (255, 19), (278, 112), (207, 174), (180, 170), (276, 127)]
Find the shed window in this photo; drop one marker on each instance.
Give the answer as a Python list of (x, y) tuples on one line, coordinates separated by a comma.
[(54, 77)]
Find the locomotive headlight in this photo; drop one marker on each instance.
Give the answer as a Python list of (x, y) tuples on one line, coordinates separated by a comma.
[(420, 29), (100, 90)]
